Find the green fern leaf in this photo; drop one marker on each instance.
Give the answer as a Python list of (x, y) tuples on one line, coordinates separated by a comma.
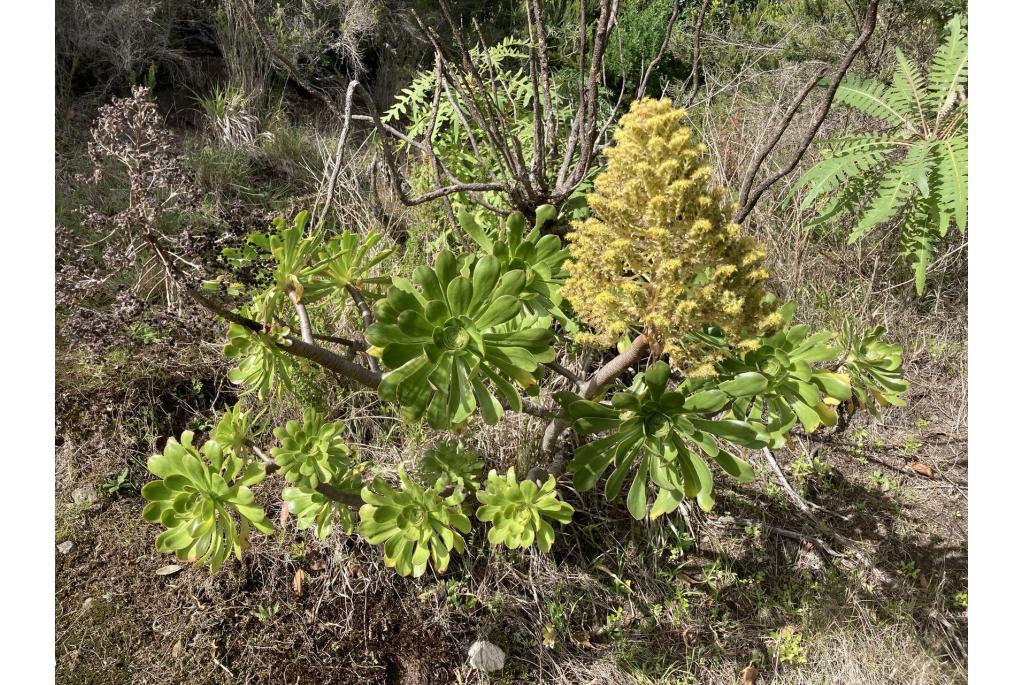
[(846, 201), (894, 190), (917, 164), (908, 93), (918, 237), (871, 98), (850, 157), (948, 73), (952, 172)]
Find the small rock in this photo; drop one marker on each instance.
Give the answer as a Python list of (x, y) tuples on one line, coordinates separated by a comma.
[(485, 656), (86, 494), (66, 547)]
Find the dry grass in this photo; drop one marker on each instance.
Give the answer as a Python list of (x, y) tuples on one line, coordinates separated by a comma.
[(686, 599)]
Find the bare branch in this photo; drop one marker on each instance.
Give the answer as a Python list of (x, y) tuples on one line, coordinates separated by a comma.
[(295, 346), (642, 88), (352, 344), (693, 80), (564, 372), (365, 313), (332, 182), (589, 390), (748, 199), (349, 499)]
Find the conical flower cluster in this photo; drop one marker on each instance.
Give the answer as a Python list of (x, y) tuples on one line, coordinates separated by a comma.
[(659, 251)]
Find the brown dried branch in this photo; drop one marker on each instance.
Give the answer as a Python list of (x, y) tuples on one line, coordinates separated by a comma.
[(748, 198), (365, 313), (588, 390), (642, 88), (295, 346), (693, 80)]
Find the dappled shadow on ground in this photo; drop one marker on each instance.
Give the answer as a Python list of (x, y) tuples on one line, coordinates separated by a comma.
[(616, 599)]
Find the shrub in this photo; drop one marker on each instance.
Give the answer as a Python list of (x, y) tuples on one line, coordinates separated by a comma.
[(472, 337)]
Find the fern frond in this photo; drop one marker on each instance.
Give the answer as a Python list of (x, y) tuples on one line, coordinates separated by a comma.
[(850, 157), (948, 72), (894, 191), (952, 171), (845, 202), (908, 92), (917, 164), (871, 98), (918, 238)]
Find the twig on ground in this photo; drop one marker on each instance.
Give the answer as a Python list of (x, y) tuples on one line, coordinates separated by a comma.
[(801, 503)]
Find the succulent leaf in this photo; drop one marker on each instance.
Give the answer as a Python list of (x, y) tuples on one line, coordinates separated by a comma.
[(519, 511), (540, 257), (194, 498), (452, 461), (460, 325), (875, 369), (415, 524), (262, 365), (659, 434), (312, 452)]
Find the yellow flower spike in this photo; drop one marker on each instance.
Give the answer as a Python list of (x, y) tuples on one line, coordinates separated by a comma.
[(658, 251)]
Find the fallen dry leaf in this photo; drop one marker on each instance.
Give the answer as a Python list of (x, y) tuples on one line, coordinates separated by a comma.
[(749, 675), (922, 469), (300, 575), (283, 517), (583, 640), (168, 570), (176, 649)]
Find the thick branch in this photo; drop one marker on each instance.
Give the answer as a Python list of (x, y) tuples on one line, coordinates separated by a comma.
[(349, 499), (748, 199), (325, 358), (304, 328), (589, 390)]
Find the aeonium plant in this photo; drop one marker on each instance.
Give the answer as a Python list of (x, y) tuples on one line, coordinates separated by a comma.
[(690, 364)]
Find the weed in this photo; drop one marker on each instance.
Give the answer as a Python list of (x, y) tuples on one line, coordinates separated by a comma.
[(787, 645), (912, 446), (229, 110), (613, 625), (115, 483), (882, 482), (806, 467), (266, 613), (146, 334), (458, 597), (909, 569)]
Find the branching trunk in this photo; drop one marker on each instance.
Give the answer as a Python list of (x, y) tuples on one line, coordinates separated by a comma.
[(749, 195)]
